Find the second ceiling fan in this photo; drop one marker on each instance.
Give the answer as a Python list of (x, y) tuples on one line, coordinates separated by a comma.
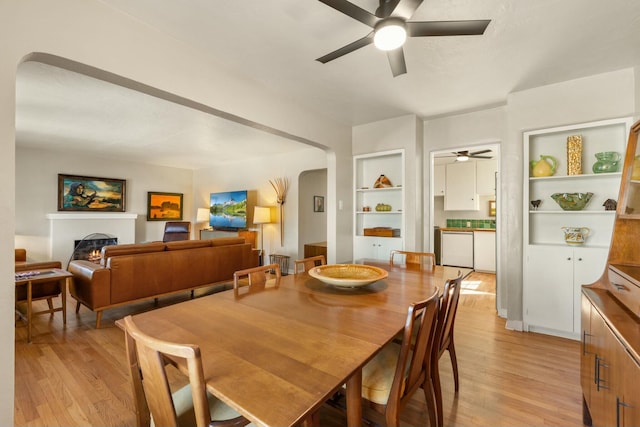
[(391, 26)]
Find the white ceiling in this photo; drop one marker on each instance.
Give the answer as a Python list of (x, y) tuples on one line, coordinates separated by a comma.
[(527, 44)]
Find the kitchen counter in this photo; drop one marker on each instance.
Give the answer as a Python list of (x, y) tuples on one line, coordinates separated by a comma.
[(469, 229)]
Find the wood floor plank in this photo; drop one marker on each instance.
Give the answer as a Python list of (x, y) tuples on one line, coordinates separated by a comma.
[(77, 376)]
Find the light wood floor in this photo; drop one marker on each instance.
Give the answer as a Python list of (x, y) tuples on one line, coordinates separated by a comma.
[(76, 376)]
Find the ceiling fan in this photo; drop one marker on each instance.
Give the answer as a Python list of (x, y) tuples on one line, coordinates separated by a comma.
[(391, 27), (464, 155)]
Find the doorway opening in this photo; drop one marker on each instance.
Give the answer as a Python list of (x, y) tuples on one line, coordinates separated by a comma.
[(474, 171)]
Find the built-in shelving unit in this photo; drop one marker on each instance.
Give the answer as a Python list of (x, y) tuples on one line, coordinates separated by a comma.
[(367, 169), (554, 270)]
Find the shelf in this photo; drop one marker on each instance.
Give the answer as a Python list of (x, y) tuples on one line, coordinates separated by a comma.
[(565, 245), (379, 213), (581, 176), (374, 190), (583, 212)]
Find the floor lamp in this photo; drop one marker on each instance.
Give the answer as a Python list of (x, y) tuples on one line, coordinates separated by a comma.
[(261, 215)]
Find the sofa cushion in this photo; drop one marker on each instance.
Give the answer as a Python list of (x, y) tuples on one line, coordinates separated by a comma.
[(187, 244), (130, 249), (225, 241)]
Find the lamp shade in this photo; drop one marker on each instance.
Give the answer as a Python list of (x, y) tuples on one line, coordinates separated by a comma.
[(202, 215), (261, 215)]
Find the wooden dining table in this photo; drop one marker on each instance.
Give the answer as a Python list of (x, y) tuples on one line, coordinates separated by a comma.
[(277, 355)]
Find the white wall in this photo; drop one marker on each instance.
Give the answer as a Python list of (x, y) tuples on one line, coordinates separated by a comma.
[(89, 32), (598, 97), (254, 175), (312, 225), (592, 98), (37, 188), (401, 132)]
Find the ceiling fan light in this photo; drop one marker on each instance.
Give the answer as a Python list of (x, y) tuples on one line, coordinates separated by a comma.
[(462, 158), (390, 35)]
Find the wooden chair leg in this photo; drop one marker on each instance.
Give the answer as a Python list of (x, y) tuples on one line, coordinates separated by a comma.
[(50, 304), (430, 398), (437, 391), (454, 365), (77, 306)]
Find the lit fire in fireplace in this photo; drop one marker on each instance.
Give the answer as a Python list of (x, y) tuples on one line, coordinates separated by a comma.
[(94, 256)]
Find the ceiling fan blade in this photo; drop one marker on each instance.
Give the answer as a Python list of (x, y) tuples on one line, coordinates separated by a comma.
[(480, 152), (480, 157), (353, 11), (447, 28), (406, 8), (368, 39), (396, 60)]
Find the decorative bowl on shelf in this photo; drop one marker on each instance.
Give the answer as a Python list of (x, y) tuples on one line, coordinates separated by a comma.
[(572, 201), (348, 275)]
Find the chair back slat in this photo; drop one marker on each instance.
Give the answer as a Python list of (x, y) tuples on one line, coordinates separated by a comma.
[(413, 260), (414, 361), (150, 381), (306, 264)]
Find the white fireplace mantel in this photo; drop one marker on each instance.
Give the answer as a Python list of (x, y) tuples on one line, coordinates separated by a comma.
[(92, 215), (67, 227)]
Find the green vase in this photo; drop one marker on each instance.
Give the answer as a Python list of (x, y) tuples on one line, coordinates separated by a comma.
[(608, 161)]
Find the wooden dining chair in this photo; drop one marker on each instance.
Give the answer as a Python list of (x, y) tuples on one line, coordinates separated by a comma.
[(191, 405), (306, 264), (391, 378), (444, 338), (414, 260), (256, 276)]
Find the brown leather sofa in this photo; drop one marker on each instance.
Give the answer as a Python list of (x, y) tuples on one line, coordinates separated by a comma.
[(137, 272)]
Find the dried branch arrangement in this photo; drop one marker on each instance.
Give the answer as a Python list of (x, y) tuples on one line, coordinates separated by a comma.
[(281, 186)]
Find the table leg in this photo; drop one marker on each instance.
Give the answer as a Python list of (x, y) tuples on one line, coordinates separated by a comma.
[(354, 399), (65, 286), (29, 309)]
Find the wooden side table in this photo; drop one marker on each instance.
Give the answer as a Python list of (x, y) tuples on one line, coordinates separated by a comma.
[(39, 277), (314, 249)]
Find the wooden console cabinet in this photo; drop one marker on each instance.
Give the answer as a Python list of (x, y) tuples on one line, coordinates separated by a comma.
[(610, 314)]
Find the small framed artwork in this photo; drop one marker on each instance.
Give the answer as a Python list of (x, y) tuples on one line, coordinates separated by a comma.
[(318, 203), (492, 208), (86, 193), (164, 206)]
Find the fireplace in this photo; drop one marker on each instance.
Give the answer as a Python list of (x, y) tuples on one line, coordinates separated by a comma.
[(90, 248)]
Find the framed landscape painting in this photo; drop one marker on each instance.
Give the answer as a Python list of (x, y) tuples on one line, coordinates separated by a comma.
[(86, 193), (164, 206)]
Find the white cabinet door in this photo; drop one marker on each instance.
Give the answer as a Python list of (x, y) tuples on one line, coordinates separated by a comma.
[(589, 264), (486, 176), (548, 291), (554, 276), (375, 247), (484, 251), (460, 182), (439, 180), (457, 249)]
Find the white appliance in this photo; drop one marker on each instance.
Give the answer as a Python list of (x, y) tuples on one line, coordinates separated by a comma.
[(457, 248)]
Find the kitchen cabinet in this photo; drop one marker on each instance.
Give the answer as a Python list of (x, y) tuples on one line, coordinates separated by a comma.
[(457, 248), (439, 180), (554, 276), (484, 251), (553, 271), (460, 183), (366, 169), (486, 177)]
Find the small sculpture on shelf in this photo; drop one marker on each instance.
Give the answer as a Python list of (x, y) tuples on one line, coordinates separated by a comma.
[(610, 205), (382, 182), (535, 204)]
